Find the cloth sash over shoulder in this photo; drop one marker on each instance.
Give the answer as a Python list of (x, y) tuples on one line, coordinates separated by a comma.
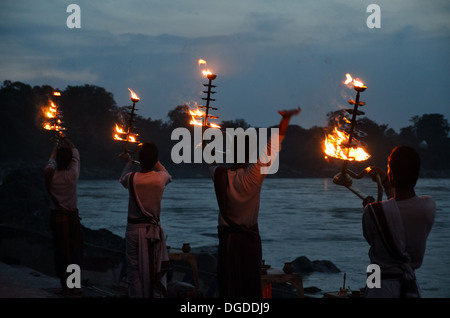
[(386, 217), (153, 259)]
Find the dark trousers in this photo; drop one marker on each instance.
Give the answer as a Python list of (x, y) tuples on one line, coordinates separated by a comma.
[(67, 242), (239, 263)]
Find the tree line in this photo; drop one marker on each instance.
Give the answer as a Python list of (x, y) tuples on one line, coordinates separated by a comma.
[(90, 114)]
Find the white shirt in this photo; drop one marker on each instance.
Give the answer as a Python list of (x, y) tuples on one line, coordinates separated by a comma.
[(64, 183), (244, 187), (417, 215), (149, 188)]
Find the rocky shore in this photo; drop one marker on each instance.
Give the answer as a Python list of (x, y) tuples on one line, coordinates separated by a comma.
[(25, 239)]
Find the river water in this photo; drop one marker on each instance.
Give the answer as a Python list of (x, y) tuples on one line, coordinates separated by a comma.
[(298, 217)]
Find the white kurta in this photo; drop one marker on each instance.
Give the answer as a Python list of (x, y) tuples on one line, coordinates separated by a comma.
[(149, 188)]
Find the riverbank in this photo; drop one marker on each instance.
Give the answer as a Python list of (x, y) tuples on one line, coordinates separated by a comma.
[(25, 240), (27, 260)]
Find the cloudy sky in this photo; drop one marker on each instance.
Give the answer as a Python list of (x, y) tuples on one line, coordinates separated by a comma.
[(267, 54)]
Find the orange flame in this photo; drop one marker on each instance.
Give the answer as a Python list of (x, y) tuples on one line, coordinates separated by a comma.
[(356, 82), (335, 146), (56, 93), (52, 118), (212, 125), (120, 130), (206, 73), (134, 97), (198, 113), (52, 111), (122, 135)]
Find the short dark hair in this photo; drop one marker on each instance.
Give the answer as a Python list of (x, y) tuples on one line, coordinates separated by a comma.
[(148, 155), (63, 157), (404, 162)]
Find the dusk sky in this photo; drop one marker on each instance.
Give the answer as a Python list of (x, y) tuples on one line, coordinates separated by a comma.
[(268, 55)]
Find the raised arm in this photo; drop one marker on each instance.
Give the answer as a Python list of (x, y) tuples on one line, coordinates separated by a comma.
[(286, 117)]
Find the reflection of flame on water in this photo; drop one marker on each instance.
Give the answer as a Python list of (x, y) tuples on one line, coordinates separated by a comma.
[(336, 146)]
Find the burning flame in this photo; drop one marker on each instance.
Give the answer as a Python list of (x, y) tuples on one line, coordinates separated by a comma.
[(122, 135), (212, 125), (120, 130), (52, 118), (134, 97), (51, 111), (207, 72), (335, 146), (198, 113), (356, 82), (56, 93)]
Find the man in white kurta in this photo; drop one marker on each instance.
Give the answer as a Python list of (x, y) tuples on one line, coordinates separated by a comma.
[(238, 191), (397, 229), (61, 177), (146, 251)]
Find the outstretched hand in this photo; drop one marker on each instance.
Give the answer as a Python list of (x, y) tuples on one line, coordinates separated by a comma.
[(373, 171), (286, 117), (290, 112)]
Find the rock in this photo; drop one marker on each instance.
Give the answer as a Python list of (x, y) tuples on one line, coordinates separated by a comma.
[(303, 266), (325, 266), (312, 290)]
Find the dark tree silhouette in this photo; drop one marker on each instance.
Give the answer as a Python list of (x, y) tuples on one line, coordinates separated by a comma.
[(90, 114)]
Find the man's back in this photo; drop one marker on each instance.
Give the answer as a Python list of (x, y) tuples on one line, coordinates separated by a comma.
[(417, 215)]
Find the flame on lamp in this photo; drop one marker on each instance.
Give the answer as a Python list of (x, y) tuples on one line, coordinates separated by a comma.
[(335, 146), (52, 120), (207, 72), (134, 97), (122, 135), (357, 83), (198, 113)]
